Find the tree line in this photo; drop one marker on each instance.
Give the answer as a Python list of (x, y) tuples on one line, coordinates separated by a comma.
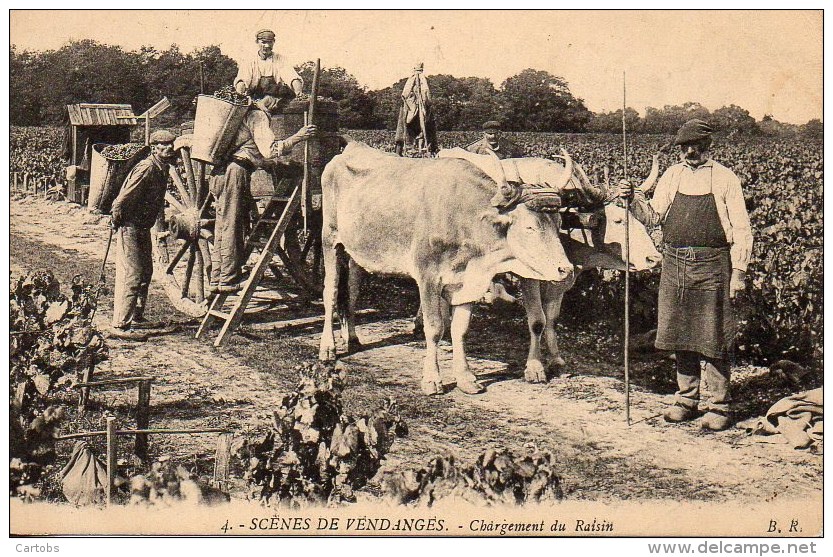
[(43, 83)]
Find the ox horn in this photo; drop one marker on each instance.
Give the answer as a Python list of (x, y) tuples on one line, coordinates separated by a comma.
[(568, 170), (505, 192)]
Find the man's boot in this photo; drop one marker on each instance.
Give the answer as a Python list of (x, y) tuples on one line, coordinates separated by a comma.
[(679, 413)]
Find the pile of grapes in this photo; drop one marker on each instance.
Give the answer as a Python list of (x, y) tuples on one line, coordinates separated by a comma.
[(121, 152), (496, 478), (230, 95), (315, 453)]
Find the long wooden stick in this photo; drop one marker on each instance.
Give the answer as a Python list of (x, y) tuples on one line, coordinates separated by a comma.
[(310, 120), (627, 260)]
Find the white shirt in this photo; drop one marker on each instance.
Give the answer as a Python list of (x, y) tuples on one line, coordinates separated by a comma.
[(275, 65), (731, 207)]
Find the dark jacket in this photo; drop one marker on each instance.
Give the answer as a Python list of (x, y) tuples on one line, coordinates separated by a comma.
[(142, 196), (506, 149)]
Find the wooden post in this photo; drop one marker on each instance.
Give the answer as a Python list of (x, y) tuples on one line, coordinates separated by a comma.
[(110, 487), (222, 460), (26, 182), (84, 396), (142, 420)]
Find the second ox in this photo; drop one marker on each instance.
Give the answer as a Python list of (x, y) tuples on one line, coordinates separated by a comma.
[(444, 222), (601, 246)]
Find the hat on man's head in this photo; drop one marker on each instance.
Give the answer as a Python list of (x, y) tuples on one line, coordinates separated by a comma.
[(419, 66), (491, 125), (693, 130), (267, 34), (161, 136)]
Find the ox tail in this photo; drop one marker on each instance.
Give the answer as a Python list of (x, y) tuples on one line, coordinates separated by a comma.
[(343, 288)]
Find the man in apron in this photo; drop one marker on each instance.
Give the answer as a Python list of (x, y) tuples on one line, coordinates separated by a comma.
[(708, 241), (268, 73)]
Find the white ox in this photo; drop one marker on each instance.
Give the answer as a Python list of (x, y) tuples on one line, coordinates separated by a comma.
[(601, 246), (443, 222)]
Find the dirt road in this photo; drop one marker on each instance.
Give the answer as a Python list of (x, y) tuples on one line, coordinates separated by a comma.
[(579, 416)]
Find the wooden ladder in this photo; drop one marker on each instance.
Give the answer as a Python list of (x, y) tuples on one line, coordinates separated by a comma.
[(287, 207)]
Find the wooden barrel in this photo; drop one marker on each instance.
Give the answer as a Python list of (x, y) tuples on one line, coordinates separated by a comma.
[(323, 147)]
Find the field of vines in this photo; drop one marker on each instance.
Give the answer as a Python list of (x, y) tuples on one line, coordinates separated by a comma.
[(782, 310)]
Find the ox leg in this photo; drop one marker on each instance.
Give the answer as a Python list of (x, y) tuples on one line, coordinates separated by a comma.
[(348, 317), (433, 325), (552, 294), (535, 372), (466, 380), (327, 350)]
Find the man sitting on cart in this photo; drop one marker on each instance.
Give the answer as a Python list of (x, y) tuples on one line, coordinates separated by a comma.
[(268, 73), (254, 146)]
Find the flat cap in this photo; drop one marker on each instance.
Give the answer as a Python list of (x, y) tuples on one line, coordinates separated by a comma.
[(161, 136), (491, 125), (693, 130), (419, 66), (267, 34)]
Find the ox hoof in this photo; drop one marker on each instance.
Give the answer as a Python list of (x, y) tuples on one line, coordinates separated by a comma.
[(354, 346), (431, 388), (327, 354), (535, 372), (471, 387), (469, 384), (558, 361)]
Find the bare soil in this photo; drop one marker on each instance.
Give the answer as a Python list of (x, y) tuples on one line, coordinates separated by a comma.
[(579, 415)]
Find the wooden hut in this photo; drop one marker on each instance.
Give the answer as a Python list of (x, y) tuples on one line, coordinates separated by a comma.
[(88, 124)]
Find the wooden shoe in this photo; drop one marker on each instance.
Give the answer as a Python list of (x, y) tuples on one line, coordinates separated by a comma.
[(715, 420), (679, 413)]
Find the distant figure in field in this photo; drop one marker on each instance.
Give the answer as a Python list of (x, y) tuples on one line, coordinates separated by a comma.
[(493, 143), (416, 115)]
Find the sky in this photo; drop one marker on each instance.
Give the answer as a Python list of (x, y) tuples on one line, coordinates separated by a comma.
[(769, 62)]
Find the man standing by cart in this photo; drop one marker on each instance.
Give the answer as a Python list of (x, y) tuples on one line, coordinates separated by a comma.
[(268, 73), (254, 147), (493, 143), (708, 241), (135, 210)]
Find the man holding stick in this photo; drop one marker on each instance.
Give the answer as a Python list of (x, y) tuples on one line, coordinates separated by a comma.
[(708, 241), (135, 210), (254, 147)]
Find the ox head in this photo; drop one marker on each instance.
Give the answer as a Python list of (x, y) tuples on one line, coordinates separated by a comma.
[(608, 239), (531, 222)]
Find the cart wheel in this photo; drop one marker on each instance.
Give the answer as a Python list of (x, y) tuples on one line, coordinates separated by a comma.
[(182, 241)]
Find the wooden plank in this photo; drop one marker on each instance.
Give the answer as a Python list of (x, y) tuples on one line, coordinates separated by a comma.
[(150, 431), (115, 381), (140, 447), (222, 461), (299, 322), (112, 460), (84, 395)]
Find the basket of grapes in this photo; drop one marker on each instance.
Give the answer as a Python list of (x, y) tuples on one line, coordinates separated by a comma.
[(216, 123), (109, 166)]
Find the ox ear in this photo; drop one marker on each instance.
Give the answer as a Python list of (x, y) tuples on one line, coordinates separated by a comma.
[(500, 221), (506, 195)]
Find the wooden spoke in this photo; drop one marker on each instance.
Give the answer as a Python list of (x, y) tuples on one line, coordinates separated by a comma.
[(174, 202), (172, 265), (199, 277), (189, 270), (189, 174), (180, 186)]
